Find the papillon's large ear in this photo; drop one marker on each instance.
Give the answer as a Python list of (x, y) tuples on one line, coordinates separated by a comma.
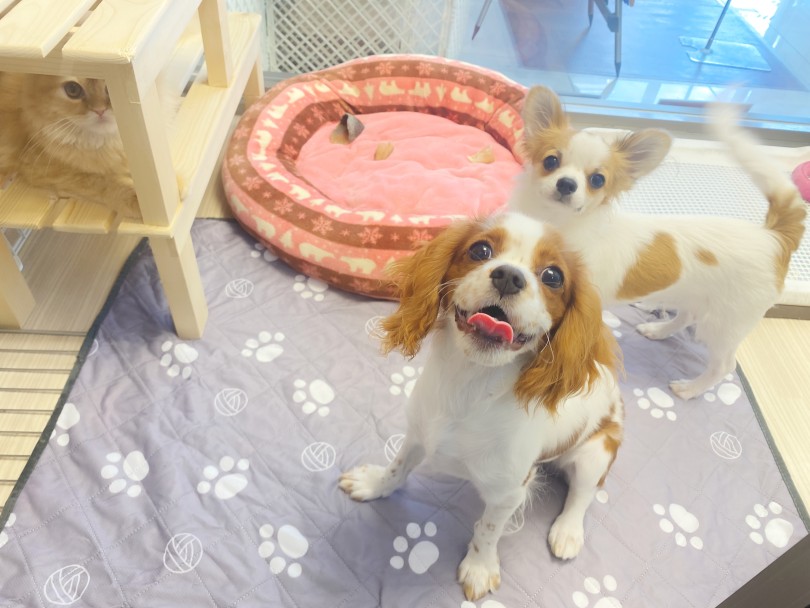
[(577, 345), (642, 151), (542, 111), (419, 280)]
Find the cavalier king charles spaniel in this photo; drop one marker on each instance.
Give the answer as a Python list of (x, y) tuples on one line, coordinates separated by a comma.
[(521, 372), (721, 274)]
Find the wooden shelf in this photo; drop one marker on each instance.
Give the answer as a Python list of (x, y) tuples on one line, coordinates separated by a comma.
[(138, 49)]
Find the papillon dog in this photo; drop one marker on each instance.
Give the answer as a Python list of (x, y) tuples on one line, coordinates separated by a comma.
[(521, 371), (721, 274)]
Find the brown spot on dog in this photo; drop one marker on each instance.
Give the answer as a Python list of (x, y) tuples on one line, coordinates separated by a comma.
[(786, 214), (706, 257), (554, 452), (657, 267), (611, 434)]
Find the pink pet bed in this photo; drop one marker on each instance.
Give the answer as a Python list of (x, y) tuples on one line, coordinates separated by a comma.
[(437, 143)]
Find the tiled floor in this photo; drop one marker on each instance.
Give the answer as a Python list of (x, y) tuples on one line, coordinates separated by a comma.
[(549, 41)]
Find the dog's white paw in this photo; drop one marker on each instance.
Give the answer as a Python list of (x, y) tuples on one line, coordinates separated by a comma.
[(566, 537), (685, 389), (478, 576), (365, 482), (654, 330)]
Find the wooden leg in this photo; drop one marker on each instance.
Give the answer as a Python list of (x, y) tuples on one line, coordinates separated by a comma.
[(254, 88), (16, 300), (181, 281)]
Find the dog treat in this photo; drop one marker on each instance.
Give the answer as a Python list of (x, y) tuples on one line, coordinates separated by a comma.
[(346, 130), (484, 155), (491, 326), (384, 150)]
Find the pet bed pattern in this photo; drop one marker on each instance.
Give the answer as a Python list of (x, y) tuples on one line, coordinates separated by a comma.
[(278, 205), (205, 473)]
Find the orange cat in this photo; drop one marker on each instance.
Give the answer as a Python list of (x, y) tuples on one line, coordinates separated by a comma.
[(60, 133)]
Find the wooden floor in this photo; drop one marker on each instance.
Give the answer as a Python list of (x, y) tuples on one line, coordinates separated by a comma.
[(71, 275)]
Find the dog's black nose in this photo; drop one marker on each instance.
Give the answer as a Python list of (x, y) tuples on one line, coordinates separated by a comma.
[(566, 186), (507, 280)]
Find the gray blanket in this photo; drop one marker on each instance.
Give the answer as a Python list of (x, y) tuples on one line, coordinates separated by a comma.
[(205, 473)]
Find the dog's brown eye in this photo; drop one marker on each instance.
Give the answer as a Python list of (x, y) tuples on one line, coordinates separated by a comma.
[(597, 180), (73, 89), (480, 251), (551, 162), (552, 277)]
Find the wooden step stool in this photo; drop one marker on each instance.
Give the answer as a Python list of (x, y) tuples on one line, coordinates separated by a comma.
[(128, 43)]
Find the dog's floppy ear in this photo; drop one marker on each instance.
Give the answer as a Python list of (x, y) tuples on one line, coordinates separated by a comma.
[(419, 280), (576, 345), (642, 151), (542, 111)]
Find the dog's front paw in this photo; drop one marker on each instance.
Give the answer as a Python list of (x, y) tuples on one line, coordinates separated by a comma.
[(478, 576), (685, 389), (566, 537), (654, 330), (365, 482)]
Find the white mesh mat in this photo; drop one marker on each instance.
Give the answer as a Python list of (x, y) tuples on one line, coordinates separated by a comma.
[(681, 188)]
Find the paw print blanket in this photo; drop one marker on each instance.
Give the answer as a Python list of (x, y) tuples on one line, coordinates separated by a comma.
[(205, 473)]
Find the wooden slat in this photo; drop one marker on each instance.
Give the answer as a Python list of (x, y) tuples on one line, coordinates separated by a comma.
[(32, 380), (34, 27), (80, 216), (23, 424), (22, 206), (33, 402), (40, 361), (47, 343)]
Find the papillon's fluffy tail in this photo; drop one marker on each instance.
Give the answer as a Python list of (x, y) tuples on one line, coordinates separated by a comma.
[(787, 210)]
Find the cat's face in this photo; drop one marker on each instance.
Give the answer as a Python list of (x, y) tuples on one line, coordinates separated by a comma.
[(68, 110)]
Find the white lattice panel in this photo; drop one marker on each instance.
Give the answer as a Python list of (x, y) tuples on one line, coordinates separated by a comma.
[(306, 35)]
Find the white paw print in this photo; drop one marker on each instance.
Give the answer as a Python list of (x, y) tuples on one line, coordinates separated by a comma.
[(727, 392), (227, 484), (260, 251), (613, 322), (3, 534), (133, 470), (403, 383), (68, 418), (685, 522), (314, 397), (307, 288), (486, 604), (777, 530), (293, 546), (602, 496), (423, 554), (177, 358), (265, 347), (657, 402), (594, 589)]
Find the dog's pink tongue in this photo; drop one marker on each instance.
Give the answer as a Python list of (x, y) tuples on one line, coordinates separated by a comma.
[(491, 326)]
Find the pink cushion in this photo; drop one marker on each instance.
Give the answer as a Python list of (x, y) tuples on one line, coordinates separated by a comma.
[(334, 213)]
